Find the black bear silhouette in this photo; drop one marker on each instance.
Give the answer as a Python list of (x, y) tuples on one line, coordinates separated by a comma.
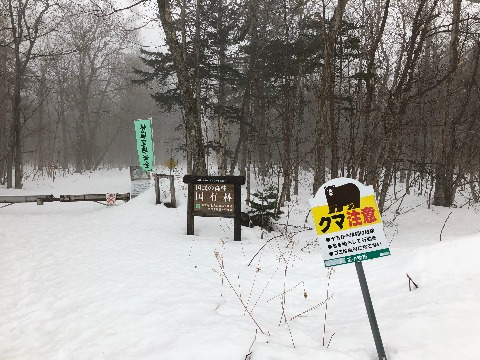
[(340, 196)]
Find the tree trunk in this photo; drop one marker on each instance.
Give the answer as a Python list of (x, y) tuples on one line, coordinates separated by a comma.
[(81, 146), (319, 161), (367, 162), (236, 153), (473, 188), (63, 122), (189, 100), (298, 125), (444, 193), (23, 44), (9, 161), (40, 120), (408, 179), (222, 48), (16, 145), (327, 102), (5, 126), (287, 122)]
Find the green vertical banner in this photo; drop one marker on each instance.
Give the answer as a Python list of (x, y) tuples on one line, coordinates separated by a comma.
[(143, 131)]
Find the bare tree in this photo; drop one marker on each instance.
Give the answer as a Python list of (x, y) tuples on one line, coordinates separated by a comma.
[(95, 70), (5, 80), (326, 116), (445, 184), (27, 26)]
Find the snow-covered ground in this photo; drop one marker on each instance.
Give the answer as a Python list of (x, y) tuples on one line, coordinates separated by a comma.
[(87, 281)]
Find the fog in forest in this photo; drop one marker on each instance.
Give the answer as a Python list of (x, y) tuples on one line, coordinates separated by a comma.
[(379, 91)]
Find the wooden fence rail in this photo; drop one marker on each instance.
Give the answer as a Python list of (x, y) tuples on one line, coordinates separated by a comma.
[(40, 199)]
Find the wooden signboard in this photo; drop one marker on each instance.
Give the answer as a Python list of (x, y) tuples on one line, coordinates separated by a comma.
[(214, 196)]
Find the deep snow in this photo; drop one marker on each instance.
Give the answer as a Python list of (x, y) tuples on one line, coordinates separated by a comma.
[(87, 281)]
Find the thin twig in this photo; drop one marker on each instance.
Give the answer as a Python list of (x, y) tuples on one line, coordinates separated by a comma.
[(445, 223), (301, 282), (98, 202), (330, 340), (104, 14), (220, 263), (313, 307), (406, 211), (330, 272), (253, 282), (275, 237), (306, 217), (393, 203), (253, 342), (265, 287), (411, 281), (294, 226)]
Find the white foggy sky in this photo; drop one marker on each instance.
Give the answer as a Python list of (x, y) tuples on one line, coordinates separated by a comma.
[(151, 34)]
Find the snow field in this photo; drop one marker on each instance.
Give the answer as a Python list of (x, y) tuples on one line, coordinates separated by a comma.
[(86, 281)]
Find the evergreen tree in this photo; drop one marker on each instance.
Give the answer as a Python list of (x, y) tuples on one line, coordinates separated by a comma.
[(207, 40), (263, 208)]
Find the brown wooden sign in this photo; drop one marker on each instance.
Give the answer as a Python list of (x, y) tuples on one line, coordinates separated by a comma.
[(214, 196)]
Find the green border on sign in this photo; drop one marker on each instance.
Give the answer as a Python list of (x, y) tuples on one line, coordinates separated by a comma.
[(147, 148), (357, 257)]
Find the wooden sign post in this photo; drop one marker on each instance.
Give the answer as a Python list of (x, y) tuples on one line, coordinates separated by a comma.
[(173, 199), (214, 196)]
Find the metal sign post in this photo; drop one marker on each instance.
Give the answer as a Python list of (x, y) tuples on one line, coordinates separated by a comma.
[(370, 312), (350, 229)]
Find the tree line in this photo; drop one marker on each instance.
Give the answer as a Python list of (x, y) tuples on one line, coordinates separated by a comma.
[(66, 92), (360, 88)]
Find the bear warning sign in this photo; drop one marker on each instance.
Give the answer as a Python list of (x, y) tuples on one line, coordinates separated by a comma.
[(348, 222)]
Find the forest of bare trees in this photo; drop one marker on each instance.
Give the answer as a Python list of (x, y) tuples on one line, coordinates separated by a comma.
[(66, 87), (381, 91)]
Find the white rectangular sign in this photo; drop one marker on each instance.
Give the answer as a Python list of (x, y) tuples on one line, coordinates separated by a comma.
[(348, 222)]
